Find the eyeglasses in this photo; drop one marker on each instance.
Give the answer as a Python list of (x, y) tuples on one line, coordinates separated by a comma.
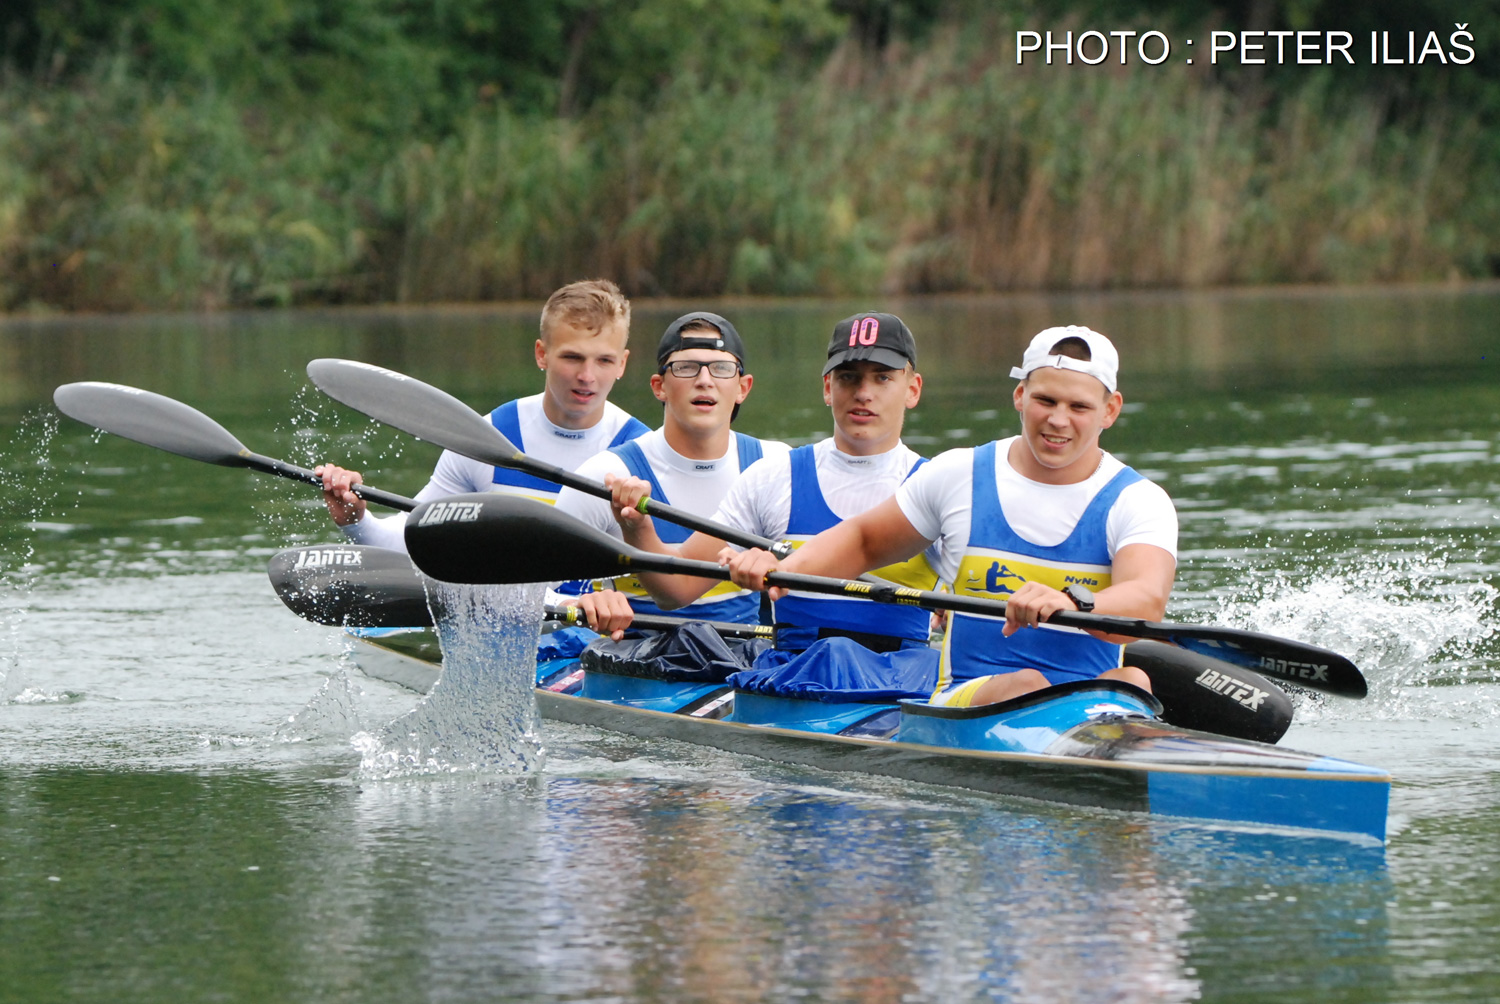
[(688, 369)]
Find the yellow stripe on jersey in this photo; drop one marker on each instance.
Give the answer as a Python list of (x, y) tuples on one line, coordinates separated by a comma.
[(998, 574)]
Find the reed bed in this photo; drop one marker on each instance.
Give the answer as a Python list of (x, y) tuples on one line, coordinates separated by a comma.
[(934, 168)]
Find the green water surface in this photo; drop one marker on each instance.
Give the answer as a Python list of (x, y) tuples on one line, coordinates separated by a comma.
[(178, 819)]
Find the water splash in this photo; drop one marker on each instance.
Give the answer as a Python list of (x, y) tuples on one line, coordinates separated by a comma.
[(321, 432), (32, 695), (28, 494), (1412, 627), (332, 714), (481, 716)]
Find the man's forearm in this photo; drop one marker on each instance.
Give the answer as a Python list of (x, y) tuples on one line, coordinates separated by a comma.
[(672, 591)]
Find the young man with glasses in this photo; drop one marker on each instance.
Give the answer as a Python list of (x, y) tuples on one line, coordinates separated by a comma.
[(870, 381), (690, 462)]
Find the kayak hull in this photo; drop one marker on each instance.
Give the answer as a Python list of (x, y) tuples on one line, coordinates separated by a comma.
[(1120, 759)]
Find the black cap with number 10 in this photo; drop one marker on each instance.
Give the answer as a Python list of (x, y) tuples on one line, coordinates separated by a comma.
[(881, 338)]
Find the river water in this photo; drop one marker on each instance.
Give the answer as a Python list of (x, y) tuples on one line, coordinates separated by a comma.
[(182, 810)]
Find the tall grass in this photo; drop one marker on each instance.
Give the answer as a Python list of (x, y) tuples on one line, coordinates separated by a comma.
[(945, 167), (131, 199)]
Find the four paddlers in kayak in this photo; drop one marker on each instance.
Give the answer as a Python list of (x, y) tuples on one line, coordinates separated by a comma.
[(1046, 520)]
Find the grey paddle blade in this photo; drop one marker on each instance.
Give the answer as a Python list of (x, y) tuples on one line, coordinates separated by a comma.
[(412, 406), (151, 419), (492, 537), (350, 585)]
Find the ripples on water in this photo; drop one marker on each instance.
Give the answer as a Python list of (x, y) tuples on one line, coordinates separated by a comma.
[(179, 792)]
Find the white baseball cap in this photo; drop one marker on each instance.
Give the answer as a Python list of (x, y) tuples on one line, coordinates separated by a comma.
[(1103, 363)]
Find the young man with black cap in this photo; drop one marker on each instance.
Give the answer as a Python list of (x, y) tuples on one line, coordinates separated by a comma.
[(581, 353), (690, 462), (1046, 521), (870, 382)]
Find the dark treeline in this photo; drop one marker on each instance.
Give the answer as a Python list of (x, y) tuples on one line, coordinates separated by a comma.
[(204, 153)]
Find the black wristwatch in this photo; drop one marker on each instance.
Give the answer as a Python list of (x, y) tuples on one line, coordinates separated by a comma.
[(1081, 596)]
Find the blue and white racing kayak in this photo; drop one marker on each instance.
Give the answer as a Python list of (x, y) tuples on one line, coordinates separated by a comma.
[(1095, 743)]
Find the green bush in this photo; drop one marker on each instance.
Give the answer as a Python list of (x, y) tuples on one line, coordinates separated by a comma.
[(920, 167)]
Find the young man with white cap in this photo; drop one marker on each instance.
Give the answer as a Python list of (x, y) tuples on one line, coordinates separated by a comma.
[(870, 381), (690, 462), (1046, 521)]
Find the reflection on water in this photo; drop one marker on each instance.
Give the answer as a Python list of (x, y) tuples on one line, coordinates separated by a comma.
[(1222, 341), (751, 889)]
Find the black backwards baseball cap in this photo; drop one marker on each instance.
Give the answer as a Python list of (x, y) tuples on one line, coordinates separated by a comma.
[(880, 338), (727, 340)]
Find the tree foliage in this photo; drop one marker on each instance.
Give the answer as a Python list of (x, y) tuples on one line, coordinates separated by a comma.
[(203, 153), (405, 66)]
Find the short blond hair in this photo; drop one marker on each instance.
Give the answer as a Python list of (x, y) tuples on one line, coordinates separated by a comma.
[(590, 304)]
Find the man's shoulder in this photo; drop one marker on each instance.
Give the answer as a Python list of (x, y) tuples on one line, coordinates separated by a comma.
[(1144, 492), (602, 463), (949, 463), (767, 475), (934, 483), (771, 448), (775, 457), (1137, 482), (522, 405)]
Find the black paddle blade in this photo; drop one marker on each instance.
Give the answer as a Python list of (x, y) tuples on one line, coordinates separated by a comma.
[(151, 419), (414, 407), (1197, 692), (1285, 660), (350, 585), (490, 537)]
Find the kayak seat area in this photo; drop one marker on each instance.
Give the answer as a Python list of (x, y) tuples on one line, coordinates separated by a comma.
[(693, 653), (560, 676), (1030, 723), (557, 654), (840, 670)]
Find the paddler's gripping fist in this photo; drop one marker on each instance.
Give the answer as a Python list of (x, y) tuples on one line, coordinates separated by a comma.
[(1032, 604), (606, 611), (626, 494), (748, 569), (343, 505)]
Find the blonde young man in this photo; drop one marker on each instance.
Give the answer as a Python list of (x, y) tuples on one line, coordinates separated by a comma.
[(581, 353), (1046, 520), (690, 462), (870, 382)]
